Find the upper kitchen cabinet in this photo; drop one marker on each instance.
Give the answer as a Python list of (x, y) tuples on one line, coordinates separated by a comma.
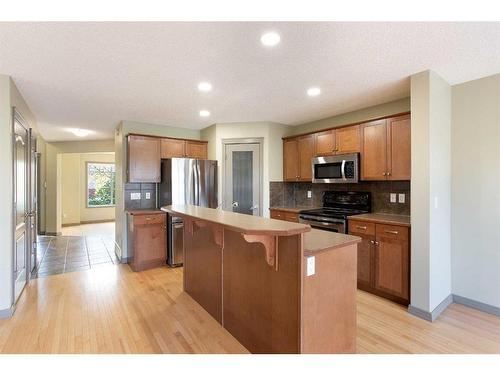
[(386, 151), (399, 150), (172, 148), (347, 140), (197, 150), (338, 141), (144, 159), (290, 159), (297, 155)]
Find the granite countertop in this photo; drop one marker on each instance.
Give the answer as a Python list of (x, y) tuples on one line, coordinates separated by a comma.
[(382, 218), (144, 212), (294, 209), (238, 222), (317, 241)]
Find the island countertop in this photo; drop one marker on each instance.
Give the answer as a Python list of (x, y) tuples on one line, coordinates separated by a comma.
[(317, 241), (238, 222)]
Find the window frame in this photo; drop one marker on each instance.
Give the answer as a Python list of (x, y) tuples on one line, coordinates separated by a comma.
[(87, 185)]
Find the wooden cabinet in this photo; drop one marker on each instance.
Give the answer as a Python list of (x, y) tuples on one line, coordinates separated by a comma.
[(173, 148), (290, 159), (338, 141), (284, 215), (197, 150), (144, 159), (399, 148), (383, 259), (297, 155), (147, 235), (386, 151)]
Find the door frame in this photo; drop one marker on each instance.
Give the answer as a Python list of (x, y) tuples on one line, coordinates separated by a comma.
[(235, 141), (16, 116)]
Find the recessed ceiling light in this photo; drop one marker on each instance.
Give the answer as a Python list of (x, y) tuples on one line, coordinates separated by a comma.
[(205, 86), (270, 39), (80, 132), (204, 113), (313, 91)]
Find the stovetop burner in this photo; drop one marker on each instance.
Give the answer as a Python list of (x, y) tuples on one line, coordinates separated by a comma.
[(333, 212), (342, 204)]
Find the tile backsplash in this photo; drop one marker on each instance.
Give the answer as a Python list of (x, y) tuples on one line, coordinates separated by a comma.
[(143, 189), (295, 194)]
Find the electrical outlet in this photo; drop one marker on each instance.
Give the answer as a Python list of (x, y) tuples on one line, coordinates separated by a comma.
[(393, 198), (135, 196), (148, 195), (401, 198), (311, 266), (436, 203), (309, 194)]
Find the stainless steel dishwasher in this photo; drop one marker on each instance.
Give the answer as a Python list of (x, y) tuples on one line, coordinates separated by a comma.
[(175, 253)]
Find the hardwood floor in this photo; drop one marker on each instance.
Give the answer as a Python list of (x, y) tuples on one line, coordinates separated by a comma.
[(113, 310)]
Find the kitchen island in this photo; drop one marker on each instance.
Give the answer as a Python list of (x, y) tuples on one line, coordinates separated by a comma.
[(276, 286)]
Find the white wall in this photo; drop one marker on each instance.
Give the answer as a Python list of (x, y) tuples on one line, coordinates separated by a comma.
[(272, 152), (475, 211), (431, 169)]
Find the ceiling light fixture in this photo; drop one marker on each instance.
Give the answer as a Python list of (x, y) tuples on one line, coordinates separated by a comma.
[(314, 91), (204, 113), (205, 86), (270, 39), (80, 132)]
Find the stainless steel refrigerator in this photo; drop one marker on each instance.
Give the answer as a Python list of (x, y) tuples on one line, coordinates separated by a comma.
[(185, 181)]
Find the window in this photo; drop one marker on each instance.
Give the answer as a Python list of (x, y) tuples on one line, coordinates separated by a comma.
[(100, 184)]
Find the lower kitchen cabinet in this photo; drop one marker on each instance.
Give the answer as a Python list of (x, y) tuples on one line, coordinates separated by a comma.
[(383, 259), (147, 239), (284, 215)]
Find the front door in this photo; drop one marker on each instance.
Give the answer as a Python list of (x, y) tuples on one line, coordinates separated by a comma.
[(242, 178), (21, 203)]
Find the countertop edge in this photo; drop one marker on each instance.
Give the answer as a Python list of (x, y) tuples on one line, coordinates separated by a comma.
[(281, 233), (144, 212), (379, 220), (308, 253)]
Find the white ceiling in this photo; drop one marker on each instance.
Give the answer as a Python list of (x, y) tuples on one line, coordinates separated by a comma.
[(93, 75)]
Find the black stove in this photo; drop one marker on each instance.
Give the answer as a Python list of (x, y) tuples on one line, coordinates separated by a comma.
[(337, 206)]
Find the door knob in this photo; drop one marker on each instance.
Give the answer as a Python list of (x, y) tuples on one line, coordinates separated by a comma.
[(235, 204)]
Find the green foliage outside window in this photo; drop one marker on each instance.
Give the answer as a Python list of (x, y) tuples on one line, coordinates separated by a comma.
[(100, 184)]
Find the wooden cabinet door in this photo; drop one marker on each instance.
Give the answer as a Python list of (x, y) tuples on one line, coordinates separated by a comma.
[(172, 148), (347, 140), (399, 148), (374, 150), (149, 242), (290, 159), (144, 159), (392, 260), (366, 249), (306, 153), (325, 143), (196, 150)]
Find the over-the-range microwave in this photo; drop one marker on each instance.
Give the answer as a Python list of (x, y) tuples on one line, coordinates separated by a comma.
[(338, 169)]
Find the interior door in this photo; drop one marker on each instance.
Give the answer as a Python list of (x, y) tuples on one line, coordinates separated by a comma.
[(21, 205), (242, 178), (33, 202)]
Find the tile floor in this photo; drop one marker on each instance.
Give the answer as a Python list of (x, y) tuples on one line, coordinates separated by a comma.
[(69, 253)]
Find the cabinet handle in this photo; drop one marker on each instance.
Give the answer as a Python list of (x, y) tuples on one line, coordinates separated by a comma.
[(373, 242), (388, 173), (360, 227), (384, 174), (148, 218), (376, 243), (392, 231)]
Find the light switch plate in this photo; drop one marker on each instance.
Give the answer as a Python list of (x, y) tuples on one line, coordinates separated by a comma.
[(401, 198), (135, 196), (309, 194), (311, 266), (393, 197), (148, 195)]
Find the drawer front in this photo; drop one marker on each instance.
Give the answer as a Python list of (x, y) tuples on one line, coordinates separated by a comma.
[(392, 231), (292, 216), (361, 227), (149, 219), (275, 214)]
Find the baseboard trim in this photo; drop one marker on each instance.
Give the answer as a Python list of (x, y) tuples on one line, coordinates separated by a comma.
[(125, 260), (6, 313), (431, 316), (53, 233), (484, 307), (69, 225)]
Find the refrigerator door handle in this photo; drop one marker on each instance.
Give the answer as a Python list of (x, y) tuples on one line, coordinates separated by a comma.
[(199, 182), (196, 184)]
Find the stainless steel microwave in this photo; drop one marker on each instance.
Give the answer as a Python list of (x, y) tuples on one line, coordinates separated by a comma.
[(338, 169)]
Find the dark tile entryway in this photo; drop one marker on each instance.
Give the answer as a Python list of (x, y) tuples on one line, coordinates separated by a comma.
[(63, 254)]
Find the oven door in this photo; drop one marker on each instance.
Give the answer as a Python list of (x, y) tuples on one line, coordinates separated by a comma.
[(338, 169), (329, 224)]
